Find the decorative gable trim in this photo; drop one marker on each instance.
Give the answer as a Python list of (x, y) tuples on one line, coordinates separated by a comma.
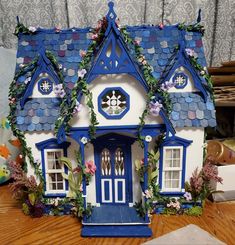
[(44, 65), (113, 56), (52, 143), (182, 59)]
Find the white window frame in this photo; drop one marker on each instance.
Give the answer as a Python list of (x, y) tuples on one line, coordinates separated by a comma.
[(47, 172), (165, 169)]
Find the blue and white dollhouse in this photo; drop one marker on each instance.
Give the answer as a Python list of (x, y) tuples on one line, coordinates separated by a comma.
[(120, 82)]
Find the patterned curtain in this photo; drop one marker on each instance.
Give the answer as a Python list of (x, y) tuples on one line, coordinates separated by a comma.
[(218, 17)]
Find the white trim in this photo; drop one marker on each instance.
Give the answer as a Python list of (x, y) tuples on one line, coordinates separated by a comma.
[(178, 169), (116, 190), (48, 171), (110, 200)]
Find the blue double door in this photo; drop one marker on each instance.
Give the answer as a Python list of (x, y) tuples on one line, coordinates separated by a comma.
[(113, 175)]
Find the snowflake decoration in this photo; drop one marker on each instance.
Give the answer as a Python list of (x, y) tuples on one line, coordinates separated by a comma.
[(114, 104), (180, 80), (45, 86)]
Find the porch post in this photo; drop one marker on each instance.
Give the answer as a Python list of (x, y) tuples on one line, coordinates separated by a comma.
[(82, 151), (146, 144)]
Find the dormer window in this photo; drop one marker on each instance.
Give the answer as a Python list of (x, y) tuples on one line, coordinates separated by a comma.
[(113, 103), (180, 80)]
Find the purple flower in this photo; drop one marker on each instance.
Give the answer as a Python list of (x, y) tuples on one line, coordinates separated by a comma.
[(82, 73), (154, 108), (188, 196), (77, 108), (167, 85), (62, 94), (190, 52)]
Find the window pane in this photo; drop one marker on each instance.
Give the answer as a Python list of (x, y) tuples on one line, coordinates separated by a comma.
[(175, 183), (52, 177), (167, 184), (105, 162), (168, 153), (175, 174), (119, 162), (60, 186), (176, 163), (176, 153), (59, 177), (168, 163)]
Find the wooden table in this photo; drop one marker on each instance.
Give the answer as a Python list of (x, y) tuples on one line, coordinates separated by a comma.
[(16, 228)]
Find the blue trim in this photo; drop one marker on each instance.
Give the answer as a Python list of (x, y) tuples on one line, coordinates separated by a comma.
[(182, 59), (114, 64), (52, 144), (180, 86), (40, 83), (107, 90), (174, 141), (43, 66)]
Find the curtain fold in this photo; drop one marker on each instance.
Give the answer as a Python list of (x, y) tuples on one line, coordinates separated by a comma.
[(218, 17)]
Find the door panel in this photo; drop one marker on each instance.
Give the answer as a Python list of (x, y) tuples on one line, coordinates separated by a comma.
[(119, 187), (106, 191)]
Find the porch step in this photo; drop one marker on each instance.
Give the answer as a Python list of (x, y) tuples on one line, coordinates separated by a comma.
[(116, 231)]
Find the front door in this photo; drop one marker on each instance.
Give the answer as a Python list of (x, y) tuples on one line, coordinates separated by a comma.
[(113, 175)]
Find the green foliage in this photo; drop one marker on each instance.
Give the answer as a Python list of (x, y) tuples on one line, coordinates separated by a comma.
[(192, 28), (194, 211)]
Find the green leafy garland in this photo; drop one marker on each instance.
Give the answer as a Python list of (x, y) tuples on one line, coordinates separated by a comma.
[(16, 90), (154, 86), (192, 28)]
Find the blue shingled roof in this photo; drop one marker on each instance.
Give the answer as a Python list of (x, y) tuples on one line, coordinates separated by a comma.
[(190, 110), (159, 45), (39, 114)]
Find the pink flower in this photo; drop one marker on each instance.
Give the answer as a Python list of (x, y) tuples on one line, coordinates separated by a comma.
[(161, 26), (57, 29), (148, 194), (99, 24), (12, 101), (62, 94), (81, 189), (167, 85), (137, 42), (94, 36), (82, 53), (90, 167)]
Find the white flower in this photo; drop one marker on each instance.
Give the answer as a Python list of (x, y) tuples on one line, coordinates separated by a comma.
[(56, 202), (148, 138), (204, 68), (60, 66), (28, 79), (81, 73), (202, 72), (32, 28), (84, 140)]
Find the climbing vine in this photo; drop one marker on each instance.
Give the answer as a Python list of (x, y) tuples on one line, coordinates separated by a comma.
[(153, 84)]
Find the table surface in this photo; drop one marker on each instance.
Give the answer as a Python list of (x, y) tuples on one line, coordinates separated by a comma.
[(17, 229)]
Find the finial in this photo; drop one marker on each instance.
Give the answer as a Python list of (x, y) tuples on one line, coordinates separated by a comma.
[(199, 16), (17, 20), (111, 18)]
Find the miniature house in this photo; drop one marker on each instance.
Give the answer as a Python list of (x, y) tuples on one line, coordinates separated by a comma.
[(119, 88)]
